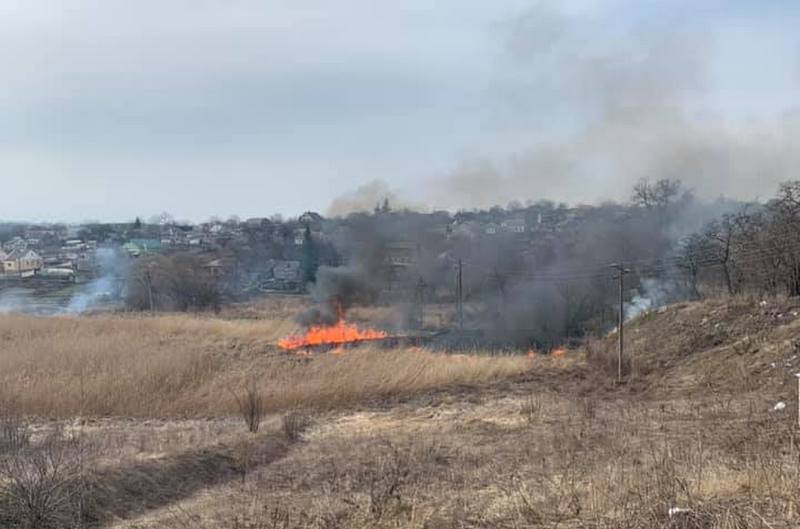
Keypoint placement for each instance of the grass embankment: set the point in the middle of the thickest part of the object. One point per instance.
(167, 366)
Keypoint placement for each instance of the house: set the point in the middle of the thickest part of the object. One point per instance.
(513, 225)
(280, 275)
(17, 243)
(137, 247)
(491, 228)
(299, 236)
(288, 271)
(22, 262)
(400, 254)
(256, 222)
(220, 267)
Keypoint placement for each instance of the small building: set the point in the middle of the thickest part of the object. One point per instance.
(17, 243)
(514, 225)
(278, 274)
(299, 236)
(256, 222)
(400, 254)
(288, 271)
(21, 262)
(220, 267)
(137, 247)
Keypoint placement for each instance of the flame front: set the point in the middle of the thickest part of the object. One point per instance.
(337, 334)
(554, 353)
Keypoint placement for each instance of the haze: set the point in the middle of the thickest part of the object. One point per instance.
(114, 109)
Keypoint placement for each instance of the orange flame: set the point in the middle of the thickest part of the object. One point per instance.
(554, 353)
(337, 334)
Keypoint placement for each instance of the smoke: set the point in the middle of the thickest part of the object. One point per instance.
(362, 239)
(586, 109)
(104, 289)
(652, 293)
(14, 300)
(336, 290)
(367, 197)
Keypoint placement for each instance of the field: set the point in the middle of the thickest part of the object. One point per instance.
(140, 421)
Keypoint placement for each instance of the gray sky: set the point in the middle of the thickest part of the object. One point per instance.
(112, 109)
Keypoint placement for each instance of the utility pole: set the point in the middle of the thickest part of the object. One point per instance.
(621, 271)
(460, 293)
(798, 399)
(421, 301)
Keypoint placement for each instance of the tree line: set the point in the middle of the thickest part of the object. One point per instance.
(755, 249)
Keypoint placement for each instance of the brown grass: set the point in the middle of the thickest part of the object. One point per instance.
(451, 463)
(557, 447)
(187, 366)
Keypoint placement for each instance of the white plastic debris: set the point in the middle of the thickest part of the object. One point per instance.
(779, 406)
(678, 510)
(763, 303)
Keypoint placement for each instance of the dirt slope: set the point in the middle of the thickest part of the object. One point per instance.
(715, 347)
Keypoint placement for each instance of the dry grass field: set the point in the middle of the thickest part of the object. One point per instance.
(138, 420)
(183, 366)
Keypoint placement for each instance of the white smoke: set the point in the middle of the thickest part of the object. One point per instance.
(102, 290)
(652, 294)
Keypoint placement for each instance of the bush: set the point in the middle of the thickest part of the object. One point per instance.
(41, 485)
(174, 282)
(294, 425)
(251, 406)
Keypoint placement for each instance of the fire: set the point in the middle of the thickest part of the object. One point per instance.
(339, 333)
(554, 353)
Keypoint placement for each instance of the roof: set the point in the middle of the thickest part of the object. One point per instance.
(22, 253)
(147, 244)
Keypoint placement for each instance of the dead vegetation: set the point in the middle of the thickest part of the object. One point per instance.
(178, 366)
(251, 406)
(375, 438)
(660, 464)
(43, 482)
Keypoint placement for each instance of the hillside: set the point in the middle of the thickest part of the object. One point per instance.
(713, 347)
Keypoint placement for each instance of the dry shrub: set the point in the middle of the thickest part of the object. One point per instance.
(251, 406)
(42, 485)
(14, 433)
(295, 425)
(531, 408)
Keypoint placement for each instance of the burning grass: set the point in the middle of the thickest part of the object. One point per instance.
(186, 366)
(337, 334)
